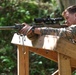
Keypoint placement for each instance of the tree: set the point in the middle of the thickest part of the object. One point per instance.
(65, 3)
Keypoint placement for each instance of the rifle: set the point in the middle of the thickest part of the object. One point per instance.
(38, 22)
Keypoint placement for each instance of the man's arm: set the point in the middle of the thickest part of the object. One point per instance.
(69, 32)
(56, 31)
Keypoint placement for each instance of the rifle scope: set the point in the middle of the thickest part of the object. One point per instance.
(48, 20)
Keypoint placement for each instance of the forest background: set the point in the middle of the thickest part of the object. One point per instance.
(20, 11)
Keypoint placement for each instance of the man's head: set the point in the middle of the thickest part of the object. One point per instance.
(70, 15)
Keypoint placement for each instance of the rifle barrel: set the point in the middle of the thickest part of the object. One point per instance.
(7, 27)
(16, 26)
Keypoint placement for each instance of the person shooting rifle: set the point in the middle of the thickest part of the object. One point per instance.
(69, 15)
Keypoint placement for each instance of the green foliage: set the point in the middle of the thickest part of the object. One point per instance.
(7, 60)
(10, 14)
(41, 66)
(14, 12)
(74, 73)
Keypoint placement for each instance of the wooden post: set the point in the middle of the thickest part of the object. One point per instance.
(64, 65)
(23, 60)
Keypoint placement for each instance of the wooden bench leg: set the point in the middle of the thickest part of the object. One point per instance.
(23, 60)
(64, 65)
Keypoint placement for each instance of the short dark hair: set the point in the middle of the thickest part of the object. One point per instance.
(71, 9)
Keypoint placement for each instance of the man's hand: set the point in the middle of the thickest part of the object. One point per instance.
(26, 29)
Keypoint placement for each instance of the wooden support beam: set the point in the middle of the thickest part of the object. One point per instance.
(26, 58)
(64, 65)
(45, 53)
(23, 60)
(49, 54)
(67, 48)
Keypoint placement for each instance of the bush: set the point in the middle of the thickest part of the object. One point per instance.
(11, 13)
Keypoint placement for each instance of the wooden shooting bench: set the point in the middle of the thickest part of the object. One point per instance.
(51, 47)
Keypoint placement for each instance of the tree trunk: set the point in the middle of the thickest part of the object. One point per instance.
(65, 3)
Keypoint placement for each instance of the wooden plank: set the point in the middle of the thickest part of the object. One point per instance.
(22, 60)
(21, 40)
(45, 42)
(67, 48)
(26, 60)
(64, 65)
(52, 55)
